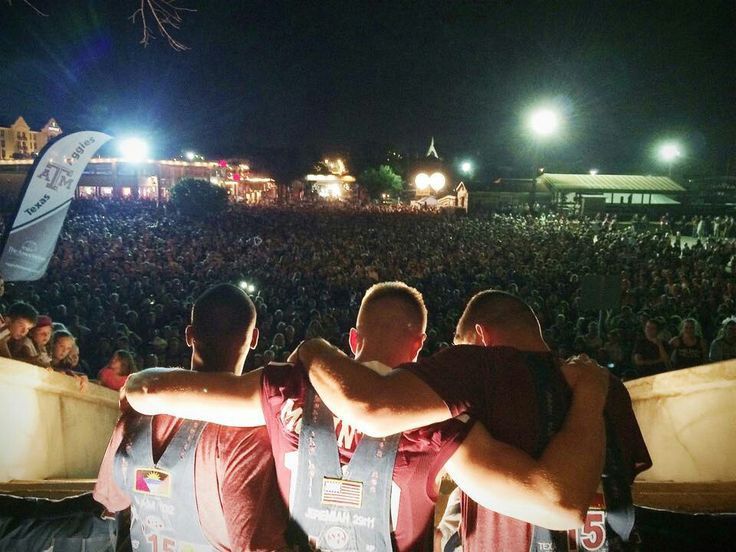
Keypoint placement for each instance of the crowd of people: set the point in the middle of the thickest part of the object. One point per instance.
(125, 273)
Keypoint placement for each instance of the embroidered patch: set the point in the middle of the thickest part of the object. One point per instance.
(341, 492)
(152, 481)
(336, 538)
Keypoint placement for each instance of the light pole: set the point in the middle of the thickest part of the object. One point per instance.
(669, 153)
(467, 168)
(135, 150)
(543, 122)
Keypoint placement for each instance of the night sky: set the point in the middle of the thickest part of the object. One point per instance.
(288, 83)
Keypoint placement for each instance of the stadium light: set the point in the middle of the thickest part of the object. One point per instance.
(437, 181)
(190, 155)
(422, 181)
(544, 122)
(466, 167)
(133, 149)
(669, 152)
(593, 172)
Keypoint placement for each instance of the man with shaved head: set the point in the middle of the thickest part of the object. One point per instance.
(348, 491)
(195, 486)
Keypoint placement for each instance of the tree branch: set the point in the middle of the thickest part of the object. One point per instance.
(30, 5)
(163, 15)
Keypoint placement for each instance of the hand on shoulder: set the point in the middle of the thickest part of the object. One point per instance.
(585, 375)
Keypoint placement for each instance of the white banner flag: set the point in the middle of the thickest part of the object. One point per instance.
(49, 188)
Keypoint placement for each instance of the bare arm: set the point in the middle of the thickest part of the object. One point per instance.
(374, 404)
(554, 491)
(221, 398)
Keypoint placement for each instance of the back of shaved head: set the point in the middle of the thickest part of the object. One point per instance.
(499, 311)
(392, 310)
(223, 312)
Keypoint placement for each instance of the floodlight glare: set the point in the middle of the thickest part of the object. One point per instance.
(243, 285)
(421, 181)
(466, 167)
(437, 181)
(669, 152)
(133, 149)
(251, 288)
(544, 122)
(593, 172)
(189, 155)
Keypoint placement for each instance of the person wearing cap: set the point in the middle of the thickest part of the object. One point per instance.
(724, 346)
(36, 348)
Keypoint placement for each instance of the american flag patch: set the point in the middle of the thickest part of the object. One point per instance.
(341, 492)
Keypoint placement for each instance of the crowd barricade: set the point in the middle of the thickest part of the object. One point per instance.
(688, 421)
(49, 428)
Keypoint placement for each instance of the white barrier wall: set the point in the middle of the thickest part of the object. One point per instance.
(688, 419)
(48, 428)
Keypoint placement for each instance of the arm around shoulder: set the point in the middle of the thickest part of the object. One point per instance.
(220, 398)
(375, 404)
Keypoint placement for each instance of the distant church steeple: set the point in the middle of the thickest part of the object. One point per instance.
(432, 151)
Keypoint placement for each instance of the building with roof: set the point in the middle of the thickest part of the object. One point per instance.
(18, 141)
(151, 179)
(582, 191)
(593, 192)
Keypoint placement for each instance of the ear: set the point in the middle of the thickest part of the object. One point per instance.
(354, 340)
(254, 338)
(189, 335)
(418, 344)
(482, 336)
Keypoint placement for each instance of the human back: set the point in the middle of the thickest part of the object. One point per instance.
(223, 493)
(521, 396)
(389, 331)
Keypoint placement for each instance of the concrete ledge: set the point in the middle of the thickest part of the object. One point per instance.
(688, 421)
(48, 428)
(688, 498)
(52, 488)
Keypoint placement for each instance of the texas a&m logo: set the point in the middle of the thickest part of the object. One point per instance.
(57, 176)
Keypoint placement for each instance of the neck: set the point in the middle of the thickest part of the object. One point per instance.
(220, 364)
(383, 355)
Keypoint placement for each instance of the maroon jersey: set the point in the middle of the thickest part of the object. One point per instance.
(497, 387)
(234, 481)
(421, 455)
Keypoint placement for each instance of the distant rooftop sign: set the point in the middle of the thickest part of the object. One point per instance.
(610, 183)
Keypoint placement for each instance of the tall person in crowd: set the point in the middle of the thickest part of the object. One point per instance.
(396, 474)
(190, 483)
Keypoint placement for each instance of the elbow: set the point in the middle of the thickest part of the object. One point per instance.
(570, 517)
(140, 399)
(566, 507)
(139, 402)
(567, 514)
